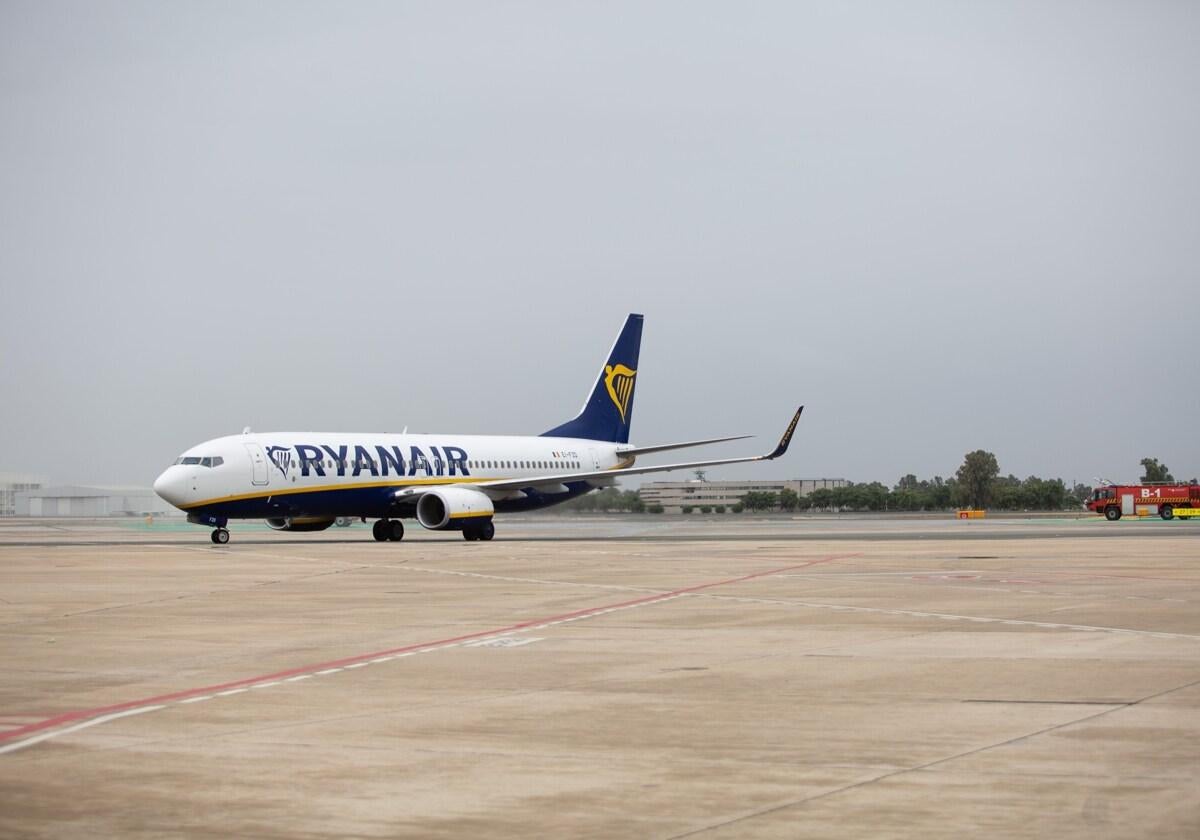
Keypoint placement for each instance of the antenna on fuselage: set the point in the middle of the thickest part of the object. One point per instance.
(246, 430)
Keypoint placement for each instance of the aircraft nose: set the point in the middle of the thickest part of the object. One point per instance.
(170, 486)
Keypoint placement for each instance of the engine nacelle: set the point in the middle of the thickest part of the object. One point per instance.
(300, 523)
(447, 508)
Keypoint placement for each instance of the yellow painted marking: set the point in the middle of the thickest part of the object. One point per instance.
(289, 491)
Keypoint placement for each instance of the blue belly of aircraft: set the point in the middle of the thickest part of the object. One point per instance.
(371, 502)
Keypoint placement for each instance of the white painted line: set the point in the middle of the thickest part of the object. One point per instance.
(301, 677)
(912, 613)
(382, 659)
(231, 691)
(37, 739)
(199, 699)
(326, 671)
(265, 685)
(358, 665)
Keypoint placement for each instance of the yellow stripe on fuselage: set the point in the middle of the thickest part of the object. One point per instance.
(290, 491)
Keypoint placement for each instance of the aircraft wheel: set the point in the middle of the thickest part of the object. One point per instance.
(381, 530)
(1167, 512)
(470, 534)
(487, 530)
(396, 530)
(220, 536)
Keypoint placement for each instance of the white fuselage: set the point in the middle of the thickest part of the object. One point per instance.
(258, 475)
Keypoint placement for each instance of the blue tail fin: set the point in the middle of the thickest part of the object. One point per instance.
(609, 408)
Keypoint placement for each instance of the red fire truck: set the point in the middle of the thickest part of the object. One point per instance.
(1117, 500)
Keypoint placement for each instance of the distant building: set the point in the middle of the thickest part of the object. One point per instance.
(13, 483)
(674, 495)
(73, 500)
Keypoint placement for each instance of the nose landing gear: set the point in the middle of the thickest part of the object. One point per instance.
(220, 536)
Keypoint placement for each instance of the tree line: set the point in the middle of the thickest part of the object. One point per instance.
(977, 484)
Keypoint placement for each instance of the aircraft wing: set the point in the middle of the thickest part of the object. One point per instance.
(646, 450)
(518, 483)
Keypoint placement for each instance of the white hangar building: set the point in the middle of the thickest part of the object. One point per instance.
(74, 500)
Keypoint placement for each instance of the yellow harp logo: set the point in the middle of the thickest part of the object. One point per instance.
(618, 379)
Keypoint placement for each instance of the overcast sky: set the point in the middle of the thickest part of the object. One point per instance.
(941, 226)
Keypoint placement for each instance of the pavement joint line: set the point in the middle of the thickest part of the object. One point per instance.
(239, 686)
(855, 785)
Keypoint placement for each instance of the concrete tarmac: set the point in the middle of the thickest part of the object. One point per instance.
(719, 678)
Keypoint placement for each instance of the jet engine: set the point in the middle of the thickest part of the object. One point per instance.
(300, 523)
(447, 508)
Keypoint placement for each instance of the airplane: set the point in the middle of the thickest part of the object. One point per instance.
(304, 481)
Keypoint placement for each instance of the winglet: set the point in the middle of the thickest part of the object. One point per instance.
(787, 436)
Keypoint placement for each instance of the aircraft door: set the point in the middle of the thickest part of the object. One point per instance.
(258, 465)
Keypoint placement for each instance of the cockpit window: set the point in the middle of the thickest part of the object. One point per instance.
(197, 461)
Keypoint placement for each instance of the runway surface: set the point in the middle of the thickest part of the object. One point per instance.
(720, 677)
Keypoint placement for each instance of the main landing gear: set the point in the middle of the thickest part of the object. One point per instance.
(220, 536)
(483, 531)
(385, 530)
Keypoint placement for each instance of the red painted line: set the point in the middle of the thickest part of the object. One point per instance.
(84, 714)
